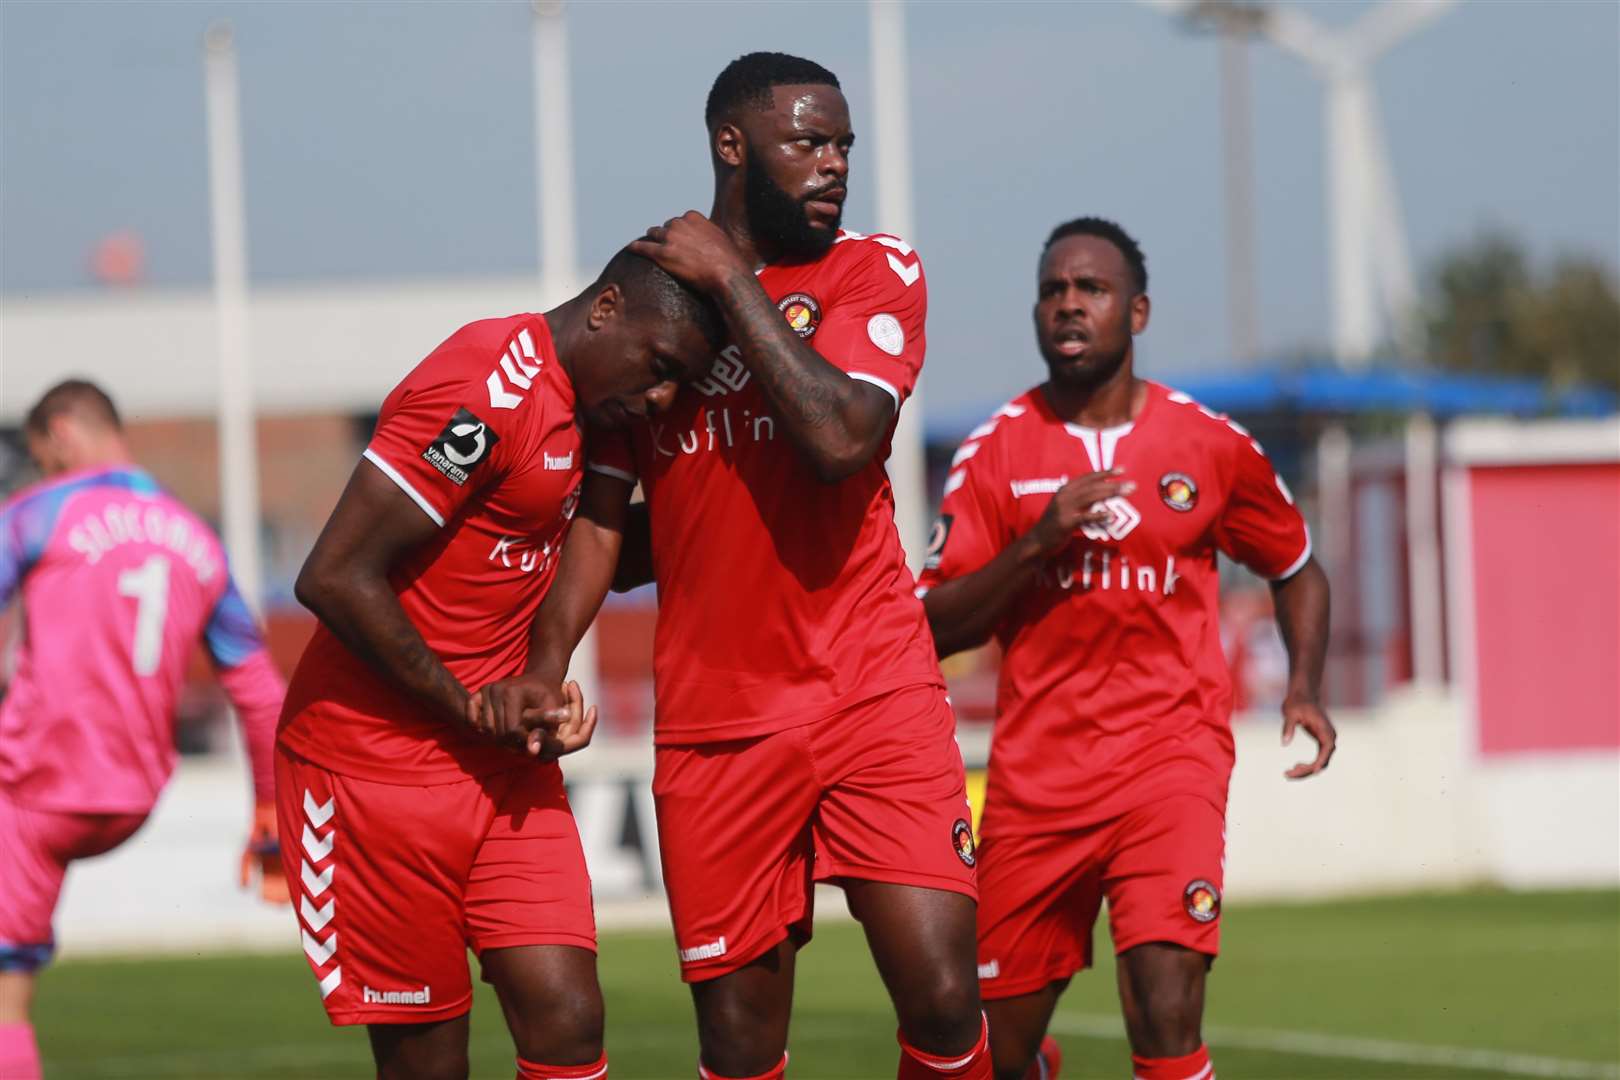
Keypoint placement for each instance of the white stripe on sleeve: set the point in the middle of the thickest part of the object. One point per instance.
(405, 486)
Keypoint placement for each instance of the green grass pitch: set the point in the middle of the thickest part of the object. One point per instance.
(1484, 984)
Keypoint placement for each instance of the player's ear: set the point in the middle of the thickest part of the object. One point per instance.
(605, 305)
(1141, 308)
(729, 145)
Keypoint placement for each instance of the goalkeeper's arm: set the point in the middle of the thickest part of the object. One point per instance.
(256, 691)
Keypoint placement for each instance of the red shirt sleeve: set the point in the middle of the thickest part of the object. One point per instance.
(975, 518)
(608, 452)
(1260, 526)
(440, 438)
(874, 328)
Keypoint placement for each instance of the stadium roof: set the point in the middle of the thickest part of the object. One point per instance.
(1325, 391)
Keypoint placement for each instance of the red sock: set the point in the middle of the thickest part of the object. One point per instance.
(776, 1072)
(19, 1053)
(1048, 1059)
(596, 1070)
(1195, 1066)
(974, 1065)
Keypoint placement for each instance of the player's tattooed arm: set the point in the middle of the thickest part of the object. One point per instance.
(963, 611)
(1302, 603)
(837, 422)
(345, 583)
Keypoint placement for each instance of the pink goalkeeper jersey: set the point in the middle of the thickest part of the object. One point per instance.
(119, 583)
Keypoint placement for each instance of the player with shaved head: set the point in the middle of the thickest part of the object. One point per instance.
(414, 829)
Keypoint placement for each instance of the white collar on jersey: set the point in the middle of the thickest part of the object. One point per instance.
(1100, 443)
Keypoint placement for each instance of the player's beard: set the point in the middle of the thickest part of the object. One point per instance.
(779, 219)
(1089, 375)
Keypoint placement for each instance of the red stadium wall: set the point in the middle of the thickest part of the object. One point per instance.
(1540, 608)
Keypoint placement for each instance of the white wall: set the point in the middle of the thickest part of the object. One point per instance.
(338, 347)
(1405, 805)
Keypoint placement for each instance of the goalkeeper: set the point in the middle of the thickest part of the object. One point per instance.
(119, 583)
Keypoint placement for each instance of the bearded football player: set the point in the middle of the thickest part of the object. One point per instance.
(802, 729)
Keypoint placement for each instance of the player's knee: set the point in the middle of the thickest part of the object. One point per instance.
(426, 1062)
(1170, 1020)
(740, 1037)
(16, 996)
(567, 1031)
(944, 1016)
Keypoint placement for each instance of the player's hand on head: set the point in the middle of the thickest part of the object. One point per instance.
(1077, 504)
(261, 858)
(1298, 713)
(693, 249)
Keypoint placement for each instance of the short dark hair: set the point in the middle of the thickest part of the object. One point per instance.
(79, 396)
(1107, 230)
(647, 285)
(749, 79)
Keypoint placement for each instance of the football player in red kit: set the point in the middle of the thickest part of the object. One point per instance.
(802, 729)
(412, 833)
(1080, 528)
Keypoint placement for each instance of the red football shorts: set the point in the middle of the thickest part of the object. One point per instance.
(746, 826)
(35, 849)
(1160, 866)
(393, 883)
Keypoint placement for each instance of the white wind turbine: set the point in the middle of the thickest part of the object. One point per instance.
(1372, 282)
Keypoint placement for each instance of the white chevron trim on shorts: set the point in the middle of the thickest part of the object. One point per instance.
(331, 981)
(314, 883)
(318, 951)
(316, 918)
(319, 814)
(317, 848)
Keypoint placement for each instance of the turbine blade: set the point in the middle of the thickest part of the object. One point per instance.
(1294, 31)
(1390, 22)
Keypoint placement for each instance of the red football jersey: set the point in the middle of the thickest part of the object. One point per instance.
(782, 599)
(481, 435)
(1113, 688)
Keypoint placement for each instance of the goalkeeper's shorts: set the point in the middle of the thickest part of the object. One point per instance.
(35, 849)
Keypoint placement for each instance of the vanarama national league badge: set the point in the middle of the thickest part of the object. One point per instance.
(802, 312)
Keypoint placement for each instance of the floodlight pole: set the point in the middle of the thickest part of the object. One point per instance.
(238, 443)
(560, 278)
(1237, 122)
(907, 464)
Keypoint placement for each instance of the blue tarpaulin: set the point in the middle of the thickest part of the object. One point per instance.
(1332, 391)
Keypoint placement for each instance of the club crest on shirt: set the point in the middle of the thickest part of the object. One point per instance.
(1178, 491)
(962, 841)
(1203, 900)
(464, 442)
(802, 312)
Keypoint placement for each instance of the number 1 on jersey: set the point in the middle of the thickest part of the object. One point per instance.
(149, 585)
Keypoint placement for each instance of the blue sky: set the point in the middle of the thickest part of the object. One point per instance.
(395, 140)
